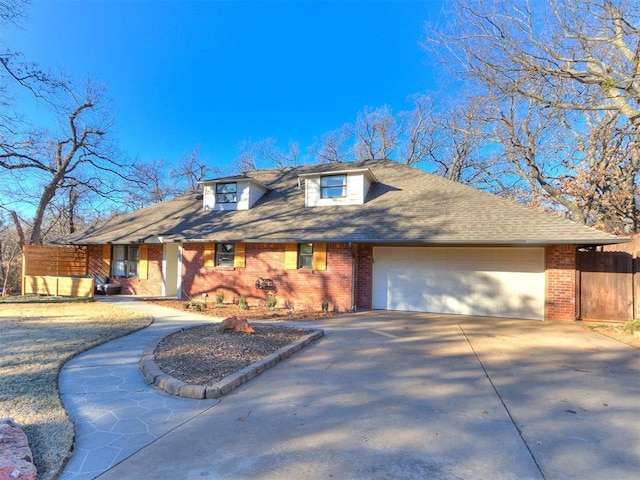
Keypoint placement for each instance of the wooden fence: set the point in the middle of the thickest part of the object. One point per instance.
(52, 270)
(57, 286)
(609, 282)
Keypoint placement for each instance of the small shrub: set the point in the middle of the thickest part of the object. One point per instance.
(325, 306)
(271, 301)
(192, 305)
(242, 303)
(630, 327)
(219, 299)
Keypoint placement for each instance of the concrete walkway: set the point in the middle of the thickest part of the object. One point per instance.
(382, 395)
(114, 410)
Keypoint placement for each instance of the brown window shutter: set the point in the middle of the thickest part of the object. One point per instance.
(290, 256)
(319, 256)
(106, 260)
(239, 255)
(143, 262)
(209, 254)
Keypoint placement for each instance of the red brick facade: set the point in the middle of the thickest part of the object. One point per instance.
(560, 291)
(306, 288)
(98, 262)
(364, 277)
(299, 289)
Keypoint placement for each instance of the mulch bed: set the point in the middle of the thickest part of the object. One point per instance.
(203, 355)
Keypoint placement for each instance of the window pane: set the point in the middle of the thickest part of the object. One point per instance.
(119, 252)
(117, 269)
(226, 192)
(133, 268)
(305, 255)
(226, 188)
(333, 186)
(224, 254)
(333, 181)
(118, 266)
(133, 256)
(125, 261)
(333, 192)
(306, 261)
(134, 253)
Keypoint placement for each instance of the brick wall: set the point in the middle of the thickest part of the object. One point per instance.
(94, 260)
(299, 289)
(364, 277)
(560, 283)
(151, 286)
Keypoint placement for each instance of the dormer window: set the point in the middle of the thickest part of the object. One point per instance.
(226, 192)
(333, 186)
(232, 193)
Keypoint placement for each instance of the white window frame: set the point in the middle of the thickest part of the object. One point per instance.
(225, 256)
(327, 188)
(226, 197)
(305, 260)
(125, 261)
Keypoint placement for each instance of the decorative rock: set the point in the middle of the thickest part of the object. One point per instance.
(16, 460)
(239, 325)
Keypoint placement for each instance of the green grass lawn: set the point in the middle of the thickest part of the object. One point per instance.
(36, 340)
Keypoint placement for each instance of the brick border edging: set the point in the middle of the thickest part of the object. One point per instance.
(171, 385)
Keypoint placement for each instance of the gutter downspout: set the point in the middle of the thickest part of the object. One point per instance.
(353, 278)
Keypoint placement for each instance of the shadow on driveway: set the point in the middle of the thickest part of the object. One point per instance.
(418, 396)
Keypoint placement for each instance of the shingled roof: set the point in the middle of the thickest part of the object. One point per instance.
(407, 206)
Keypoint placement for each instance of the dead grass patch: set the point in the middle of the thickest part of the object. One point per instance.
(37, 339)
(628, 332)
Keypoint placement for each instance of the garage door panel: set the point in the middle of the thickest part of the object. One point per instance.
(470, 281)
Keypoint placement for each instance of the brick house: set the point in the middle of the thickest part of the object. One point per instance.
(365, 235)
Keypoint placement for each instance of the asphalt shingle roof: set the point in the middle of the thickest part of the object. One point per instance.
(407, 206)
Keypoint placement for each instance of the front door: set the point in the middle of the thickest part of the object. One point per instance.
(170, 269)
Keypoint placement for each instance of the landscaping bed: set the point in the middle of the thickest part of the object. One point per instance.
(252, 313)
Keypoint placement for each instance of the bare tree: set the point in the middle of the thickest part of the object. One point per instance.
(418, 131)
(554, 71)
(9, 257)
(78, 153)
(265, 153)
(331, 147)
(190, 170)
(274, 156)
(12, 11)
(375, 132)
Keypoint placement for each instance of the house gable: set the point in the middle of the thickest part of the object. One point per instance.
(342, 187)
(233, 193)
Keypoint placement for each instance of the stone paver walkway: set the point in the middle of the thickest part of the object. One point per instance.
(115, 411)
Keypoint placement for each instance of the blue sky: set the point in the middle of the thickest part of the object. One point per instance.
(209, 74)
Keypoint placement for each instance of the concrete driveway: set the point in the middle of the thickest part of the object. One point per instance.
(388, 395)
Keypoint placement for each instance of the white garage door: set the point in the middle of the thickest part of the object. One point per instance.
(500, 282)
